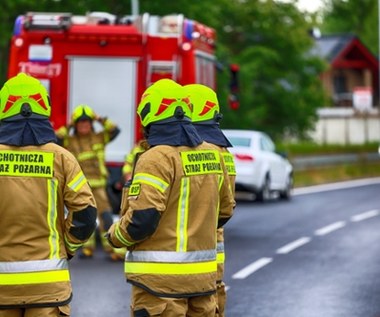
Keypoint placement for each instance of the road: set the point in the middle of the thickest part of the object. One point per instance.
(315, 255)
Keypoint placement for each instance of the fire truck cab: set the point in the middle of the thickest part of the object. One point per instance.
(107, 62)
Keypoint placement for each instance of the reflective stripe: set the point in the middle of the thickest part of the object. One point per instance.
(171, 256)
(33, 266)
(72, 246)
(220, 247)
(98, 146)
(170, 268)
(34, 272)
(86, 156)
(120, 236)
(182, 215)
(52, 185)
(151, 180)
(94, 183)
(34, 278)
(220, 258)
(77, 182)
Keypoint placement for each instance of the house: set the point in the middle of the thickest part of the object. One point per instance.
(352, 83)
(351, 66)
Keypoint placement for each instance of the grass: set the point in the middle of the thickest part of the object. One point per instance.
(335, 173)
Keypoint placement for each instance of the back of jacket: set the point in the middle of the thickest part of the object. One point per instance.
(186, 186)
(37, 237)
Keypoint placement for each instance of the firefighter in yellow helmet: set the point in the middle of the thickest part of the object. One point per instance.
(206, 118)
(39, 180)
(88, 147)
(170, 223)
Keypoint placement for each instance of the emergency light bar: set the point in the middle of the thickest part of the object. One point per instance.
(41, 20)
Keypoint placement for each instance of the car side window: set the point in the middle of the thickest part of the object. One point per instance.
(266, 144)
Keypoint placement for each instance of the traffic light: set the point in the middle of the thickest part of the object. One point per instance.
(233, 98)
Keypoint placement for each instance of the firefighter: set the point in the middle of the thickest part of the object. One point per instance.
(139, 147)
(39, 180)
(170, 225)
(88, 147)
(206, 118)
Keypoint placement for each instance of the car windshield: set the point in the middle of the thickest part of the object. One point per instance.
(240, 141)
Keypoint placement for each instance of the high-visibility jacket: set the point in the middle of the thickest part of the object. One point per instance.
(90, 151)
(177, 199)
(231, 175)
(47, 211)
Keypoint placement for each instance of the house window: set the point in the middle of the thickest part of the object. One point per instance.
(340, 85)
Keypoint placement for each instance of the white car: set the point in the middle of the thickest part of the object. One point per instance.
(259, 168)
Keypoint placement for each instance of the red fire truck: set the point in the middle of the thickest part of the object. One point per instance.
(107, 62)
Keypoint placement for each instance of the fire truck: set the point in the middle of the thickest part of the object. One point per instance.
(107, 62)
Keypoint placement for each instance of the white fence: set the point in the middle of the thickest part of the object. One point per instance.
(346, 126)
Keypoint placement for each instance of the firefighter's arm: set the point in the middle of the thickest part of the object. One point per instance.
(110, 128)
(62, 133)
(147, 198)
(226, 198)
(80, 222)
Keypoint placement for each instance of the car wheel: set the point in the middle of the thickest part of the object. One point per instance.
(287, 192)
(264, 193)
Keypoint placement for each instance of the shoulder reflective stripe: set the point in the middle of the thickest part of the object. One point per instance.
(171, 256)
(72, 246)
(26, 163)
(220, 247)
(52, 218)
(182, 215)
(34, 277)
(170, 268)
(229, 163)
(33, 266)
(120, 236)
(77, 182)
(220, 258)
(151, 180)
(201, 162)
(86, 156)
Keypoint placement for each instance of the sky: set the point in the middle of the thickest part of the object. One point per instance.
(308, 5)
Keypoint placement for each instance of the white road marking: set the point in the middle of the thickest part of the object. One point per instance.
(253, 267)
(335, 186)
(330, 228)
(293, 245)
(365, 215)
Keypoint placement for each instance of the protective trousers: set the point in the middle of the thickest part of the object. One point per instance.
(220, 299)
(144, 304)
(36, 312)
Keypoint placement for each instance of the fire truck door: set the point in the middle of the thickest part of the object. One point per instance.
(107, 85)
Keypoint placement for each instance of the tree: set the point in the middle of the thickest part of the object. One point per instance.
(352, 16)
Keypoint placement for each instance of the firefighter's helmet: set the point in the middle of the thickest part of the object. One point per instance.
(83, 112)
(23, 97)
(164, 101)
(205, 104)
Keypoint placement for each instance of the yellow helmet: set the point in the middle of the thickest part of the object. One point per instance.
(205, 103)
(83, 112)
(24, 96)
(165, 100)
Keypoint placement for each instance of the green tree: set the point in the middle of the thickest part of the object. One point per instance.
(352, 16)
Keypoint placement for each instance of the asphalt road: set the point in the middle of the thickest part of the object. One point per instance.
(317, 255)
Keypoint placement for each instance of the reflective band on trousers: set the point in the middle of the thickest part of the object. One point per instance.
(155, 262)
(220, 252)
(34, 272)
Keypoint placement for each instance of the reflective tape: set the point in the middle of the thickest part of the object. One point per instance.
(83, 156)
(120, 236)
(33, 266)
(171, 256)
(52, 218)
(151, 180)
(78, 181)
(169, 268)
(182, 215)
